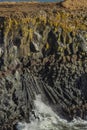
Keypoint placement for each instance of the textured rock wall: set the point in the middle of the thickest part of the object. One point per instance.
(37, 33)
(43, 55)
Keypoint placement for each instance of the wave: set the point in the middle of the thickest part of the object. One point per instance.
(44, 118)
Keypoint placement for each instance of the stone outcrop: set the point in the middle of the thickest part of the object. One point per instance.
(43, 50)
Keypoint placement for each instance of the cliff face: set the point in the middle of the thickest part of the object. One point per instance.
(58, 30)
(43, 49)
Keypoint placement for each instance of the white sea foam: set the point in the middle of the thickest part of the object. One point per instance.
(48, 120)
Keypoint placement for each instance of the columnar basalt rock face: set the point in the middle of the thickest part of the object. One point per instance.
(42, 51)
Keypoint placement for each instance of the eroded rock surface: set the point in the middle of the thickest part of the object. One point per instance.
(43, 50)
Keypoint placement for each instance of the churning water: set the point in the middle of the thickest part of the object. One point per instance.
(48, 120)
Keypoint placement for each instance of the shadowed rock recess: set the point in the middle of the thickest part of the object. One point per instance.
(43, 50)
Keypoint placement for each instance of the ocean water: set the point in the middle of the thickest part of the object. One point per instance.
(32, 0)
(48, 120)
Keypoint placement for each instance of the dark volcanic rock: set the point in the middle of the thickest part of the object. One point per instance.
(42, 55)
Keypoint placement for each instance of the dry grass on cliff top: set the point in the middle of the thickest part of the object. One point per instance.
(75, 4)
(20, 8)
(28, 8)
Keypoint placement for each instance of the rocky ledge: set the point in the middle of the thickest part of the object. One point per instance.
(43, 50)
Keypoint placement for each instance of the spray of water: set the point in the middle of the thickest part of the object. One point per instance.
(48, 120)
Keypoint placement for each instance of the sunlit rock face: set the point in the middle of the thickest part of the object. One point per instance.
(42, 51)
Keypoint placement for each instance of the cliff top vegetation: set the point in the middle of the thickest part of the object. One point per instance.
(22, 9)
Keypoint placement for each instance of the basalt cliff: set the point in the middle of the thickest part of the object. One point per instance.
(43, 50)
